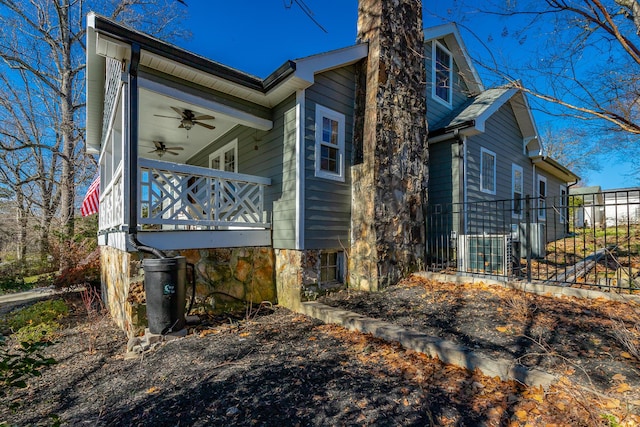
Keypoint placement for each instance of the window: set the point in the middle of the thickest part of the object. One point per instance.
(564, 204)
(226, 158)
(487, 171)
(331, 270)
(442, 74)
(517, 185)
(542, 197)
(330, 129)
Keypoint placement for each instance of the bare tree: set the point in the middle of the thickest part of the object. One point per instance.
(586, 57)
(42, 51)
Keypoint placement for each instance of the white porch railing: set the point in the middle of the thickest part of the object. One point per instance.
(112, 203)
(181, 197)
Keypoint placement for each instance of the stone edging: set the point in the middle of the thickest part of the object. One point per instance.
(446, 351)
(537, 288)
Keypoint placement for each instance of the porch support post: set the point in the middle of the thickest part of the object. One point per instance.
(390, 146)
(132, 140)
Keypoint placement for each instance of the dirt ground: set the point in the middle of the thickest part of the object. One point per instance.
(278, 368)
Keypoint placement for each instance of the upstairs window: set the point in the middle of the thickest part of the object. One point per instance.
(330, 155)
(487, 171)
(442, 74)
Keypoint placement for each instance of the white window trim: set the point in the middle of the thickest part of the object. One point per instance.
(322, 112)
(448, 102)
(564, 204)
(542, 213)
(514, 168)
(495, 162)
(233, 144)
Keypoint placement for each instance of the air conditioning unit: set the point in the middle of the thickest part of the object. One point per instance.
(488, 254)
(538, 239)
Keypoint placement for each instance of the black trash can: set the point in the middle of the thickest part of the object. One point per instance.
(164, 286)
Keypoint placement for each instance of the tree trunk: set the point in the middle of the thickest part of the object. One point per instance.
(390, 145)
(67, 179)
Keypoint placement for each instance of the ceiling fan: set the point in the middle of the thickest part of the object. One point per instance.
(161, 149)
(188, 118)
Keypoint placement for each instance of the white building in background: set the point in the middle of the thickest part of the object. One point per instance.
(622, 206)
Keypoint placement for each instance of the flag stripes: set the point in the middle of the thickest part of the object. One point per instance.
(91, 199)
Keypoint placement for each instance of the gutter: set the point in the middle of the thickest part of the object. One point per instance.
(449, 132)
(155, 46)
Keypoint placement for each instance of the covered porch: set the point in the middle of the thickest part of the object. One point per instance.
(180, 165)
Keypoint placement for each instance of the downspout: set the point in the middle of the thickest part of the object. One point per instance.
(132, 237)
(464, 187)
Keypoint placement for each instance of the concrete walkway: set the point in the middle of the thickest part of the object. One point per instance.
(27, 295)
(446, 351)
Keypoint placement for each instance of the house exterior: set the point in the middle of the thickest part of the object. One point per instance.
(276, 188)
(622, 206)
(246, 177)
(589, 206)
(485, 160)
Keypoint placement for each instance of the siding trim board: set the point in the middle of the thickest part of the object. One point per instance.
(300, 167)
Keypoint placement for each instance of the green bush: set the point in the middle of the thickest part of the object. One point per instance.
(40, 312)
(16, 368)
(11, 284)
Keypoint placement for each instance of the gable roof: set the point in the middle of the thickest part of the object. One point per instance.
(471, 119)
(451, 35)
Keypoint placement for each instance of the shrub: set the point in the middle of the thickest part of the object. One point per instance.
(84, 273)
(16, 368)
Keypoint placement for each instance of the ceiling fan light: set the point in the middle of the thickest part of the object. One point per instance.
(187, 124)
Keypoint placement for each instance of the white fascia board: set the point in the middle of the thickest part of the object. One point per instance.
(493, 108)
(95, 75)
(300, 168)
(242, 117)
(177, 240)
(307, 68)
(525, 118)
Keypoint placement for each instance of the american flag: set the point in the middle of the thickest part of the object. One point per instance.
(92, 198)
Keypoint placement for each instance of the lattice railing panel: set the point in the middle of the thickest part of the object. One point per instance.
(112, 204)
(182, 195)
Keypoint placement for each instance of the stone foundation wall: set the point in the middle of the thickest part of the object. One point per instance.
(298, 276)
(225, 279)
(122, 287)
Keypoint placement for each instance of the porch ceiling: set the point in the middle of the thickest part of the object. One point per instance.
(167, 130)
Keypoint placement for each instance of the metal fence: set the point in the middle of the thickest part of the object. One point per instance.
(586, 240)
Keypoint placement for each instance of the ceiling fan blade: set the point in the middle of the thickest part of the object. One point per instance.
(171, 152)
(204, 117)
(153, 151)
(179, 111)
(174, 148)
(159, 145)
(167, 117)
(205, 125)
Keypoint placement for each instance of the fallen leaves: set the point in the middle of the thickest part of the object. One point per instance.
(623, 387)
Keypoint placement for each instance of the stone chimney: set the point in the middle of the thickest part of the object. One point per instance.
(389, 171)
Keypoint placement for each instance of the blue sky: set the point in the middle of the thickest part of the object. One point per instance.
(257, 36)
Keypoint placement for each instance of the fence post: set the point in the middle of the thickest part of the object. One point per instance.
(527, 234)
